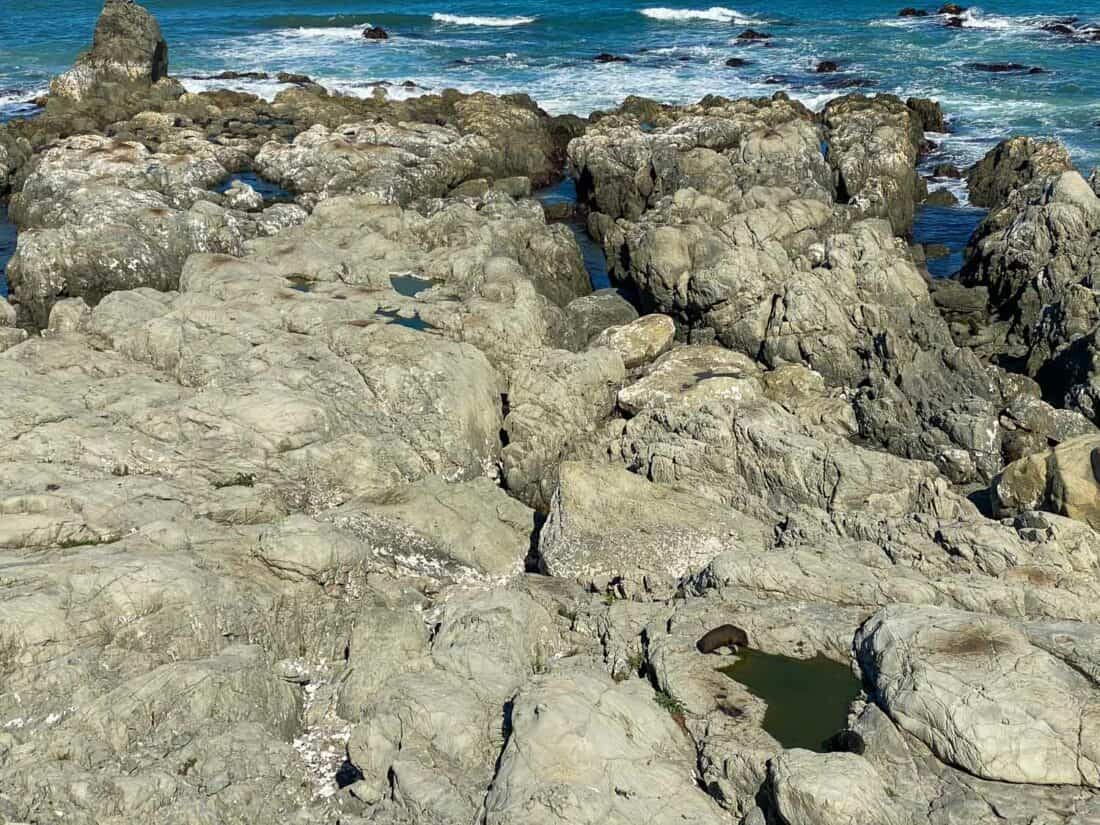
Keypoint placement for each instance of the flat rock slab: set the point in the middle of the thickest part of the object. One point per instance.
(981, 696)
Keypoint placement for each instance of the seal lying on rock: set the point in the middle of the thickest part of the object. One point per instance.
(726, 635)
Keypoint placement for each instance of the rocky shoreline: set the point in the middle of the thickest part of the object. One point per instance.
(349, 500)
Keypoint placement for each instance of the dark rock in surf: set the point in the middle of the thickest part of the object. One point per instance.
(1002, 68)
(928, 112)
(947, 170)
(909, 11)
(953, 23)
(296, 79)
(952, 9)
(752, 35)
(827, 66)
(737, 62)
(375, 33)
(606, 57)
(941, 197)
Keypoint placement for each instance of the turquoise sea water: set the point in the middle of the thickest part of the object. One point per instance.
(678, 51)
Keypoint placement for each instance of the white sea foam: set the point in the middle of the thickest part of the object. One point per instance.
(716, 14)
(460, 20)
(326, 33)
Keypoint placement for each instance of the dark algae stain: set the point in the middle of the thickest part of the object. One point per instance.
(807, 699)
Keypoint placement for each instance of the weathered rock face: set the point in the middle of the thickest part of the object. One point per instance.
(982, 696)
(770, 266)
(584, 748)
(98, 215)
(1014, 164)
(1064, 480)
(264, 528)
(607, 524)
(1036, 256)
(873, 145)
(128, 49)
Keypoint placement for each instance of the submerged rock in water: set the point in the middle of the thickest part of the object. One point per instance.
(375, 33)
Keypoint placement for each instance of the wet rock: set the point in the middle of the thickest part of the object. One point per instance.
(375, 33)
(941, 197)
(753, 35)
(1001, 68)
(952, 9)
(947, 170)
(909, 11)
(737, 62)
(826, 66)
(605, 57)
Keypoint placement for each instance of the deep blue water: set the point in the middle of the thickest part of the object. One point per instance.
(595, 263)
(678, 50)
(7, 247)
(950, 226)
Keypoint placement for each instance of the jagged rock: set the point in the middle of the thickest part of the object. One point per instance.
(128, 49)
(1064, 480)
(929, 112)
(873, 148)
(555, 403)
(1012, 165)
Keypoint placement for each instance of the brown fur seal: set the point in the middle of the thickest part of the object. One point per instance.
(727, 635)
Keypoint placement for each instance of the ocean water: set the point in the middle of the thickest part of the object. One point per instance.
(677, 51)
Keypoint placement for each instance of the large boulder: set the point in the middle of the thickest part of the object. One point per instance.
(1063, 480)
(607, 524)
(1013, 164)
(977, 692)
(128, 50)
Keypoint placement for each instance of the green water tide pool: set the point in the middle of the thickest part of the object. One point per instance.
(807, 699)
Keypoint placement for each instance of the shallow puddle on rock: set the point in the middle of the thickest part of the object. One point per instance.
(807, 699)
(415, 322)
(7, 247)
(270, 192)
(951, 226)
(595, 263)
(301, 284)
(409, 285)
